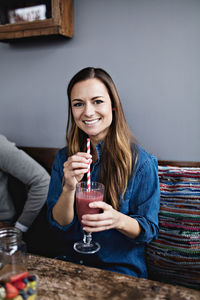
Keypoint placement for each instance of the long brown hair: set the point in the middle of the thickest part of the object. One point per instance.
(118, 159)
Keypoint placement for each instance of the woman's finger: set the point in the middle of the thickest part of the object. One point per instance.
(97, 217)
(96, 229)
(100, 204)
(107, 222)
(76, 165)
(84, 157)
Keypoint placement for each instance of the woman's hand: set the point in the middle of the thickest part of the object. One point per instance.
(109, 218)
(75, 168)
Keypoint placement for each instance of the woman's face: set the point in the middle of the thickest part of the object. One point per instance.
(92, 108)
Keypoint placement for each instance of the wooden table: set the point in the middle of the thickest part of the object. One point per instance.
(65, 280)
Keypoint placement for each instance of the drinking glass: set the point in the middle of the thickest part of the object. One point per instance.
(83, 197)
(12, 253)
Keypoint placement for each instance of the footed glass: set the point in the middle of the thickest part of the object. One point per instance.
(83, 197)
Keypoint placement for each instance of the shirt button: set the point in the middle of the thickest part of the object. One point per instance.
(81, 262)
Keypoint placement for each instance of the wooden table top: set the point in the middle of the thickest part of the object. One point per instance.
(64, 280)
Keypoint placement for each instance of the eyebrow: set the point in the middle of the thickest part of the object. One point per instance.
(93, 98)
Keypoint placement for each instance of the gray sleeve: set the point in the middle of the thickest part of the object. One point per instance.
(20, 165)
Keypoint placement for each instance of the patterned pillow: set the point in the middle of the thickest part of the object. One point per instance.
(175, 256)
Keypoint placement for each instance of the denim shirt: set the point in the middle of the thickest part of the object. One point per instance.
(141, 201)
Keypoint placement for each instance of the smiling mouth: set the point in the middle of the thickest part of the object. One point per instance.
(91, 122)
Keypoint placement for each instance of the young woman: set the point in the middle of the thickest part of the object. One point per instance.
(129, 217)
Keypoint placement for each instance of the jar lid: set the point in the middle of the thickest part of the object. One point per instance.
(10, 234)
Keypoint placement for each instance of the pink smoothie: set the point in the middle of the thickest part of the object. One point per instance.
(82, 202)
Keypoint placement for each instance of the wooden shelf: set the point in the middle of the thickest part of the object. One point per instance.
(58, 22)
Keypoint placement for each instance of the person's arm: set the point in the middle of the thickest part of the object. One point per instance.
(74, 169)
(145, 209)
(20, 165)
(63, 211)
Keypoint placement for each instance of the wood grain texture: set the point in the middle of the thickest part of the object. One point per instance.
(65, 280)
(61, 23)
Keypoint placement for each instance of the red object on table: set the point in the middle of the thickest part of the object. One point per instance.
(11, 291)
(18, 277)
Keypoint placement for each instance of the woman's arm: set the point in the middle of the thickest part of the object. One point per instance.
(63, 211)
(74, 169)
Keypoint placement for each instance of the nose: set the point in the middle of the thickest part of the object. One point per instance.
(89, 110)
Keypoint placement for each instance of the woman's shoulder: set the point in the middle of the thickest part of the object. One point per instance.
(142, 157)
(62, 154)
(61, 157)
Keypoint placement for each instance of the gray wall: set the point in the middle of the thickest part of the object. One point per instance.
(151, 48)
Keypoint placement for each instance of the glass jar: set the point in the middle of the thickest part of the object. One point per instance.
(12, 253)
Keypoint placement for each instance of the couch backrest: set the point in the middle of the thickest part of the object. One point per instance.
(45, 156)
(175, 256)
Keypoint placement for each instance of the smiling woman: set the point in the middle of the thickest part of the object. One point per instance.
(129, 212)
(92, 108)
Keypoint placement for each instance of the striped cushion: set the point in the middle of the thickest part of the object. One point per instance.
(175, 256)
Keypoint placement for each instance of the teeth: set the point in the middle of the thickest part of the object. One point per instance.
(91, 122)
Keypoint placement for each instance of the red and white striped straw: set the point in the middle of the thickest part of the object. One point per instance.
(88, 171)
